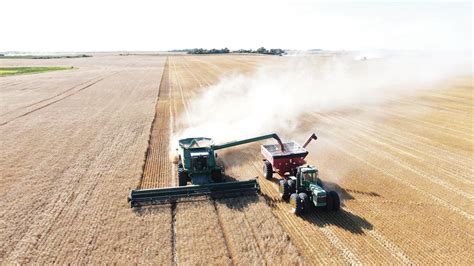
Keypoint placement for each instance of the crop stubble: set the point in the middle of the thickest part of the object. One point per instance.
(72, 147)
(66, 166)
(204, 231)
(406, 181)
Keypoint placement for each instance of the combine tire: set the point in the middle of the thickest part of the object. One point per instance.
(305, 201)
(333, 201)
(216, 175)
(183, 177)
(284, 190)
(268, 170)
(295, 204)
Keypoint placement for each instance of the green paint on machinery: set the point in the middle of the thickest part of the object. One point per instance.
(198, 165)
(305, 190)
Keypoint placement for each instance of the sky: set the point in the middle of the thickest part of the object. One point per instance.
(153, 25)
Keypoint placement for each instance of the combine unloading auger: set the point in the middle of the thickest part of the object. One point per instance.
(198, 165)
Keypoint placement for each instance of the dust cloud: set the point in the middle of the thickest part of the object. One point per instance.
(282, 89)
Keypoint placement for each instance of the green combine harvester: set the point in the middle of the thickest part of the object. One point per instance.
(198, 165)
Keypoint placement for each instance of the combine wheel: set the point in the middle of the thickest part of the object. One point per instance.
(295, 204)
(305, 201)
(216, 175)
(183, 177)
(333, 201)
(268, 170)
(284, 190)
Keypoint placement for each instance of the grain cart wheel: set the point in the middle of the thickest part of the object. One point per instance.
(305, 201)
(183, 177)
(284, 190)
(295, 204)
(333, 201)
(268, 170)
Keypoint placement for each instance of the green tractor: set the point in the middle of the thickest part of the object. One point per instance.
(305, 191)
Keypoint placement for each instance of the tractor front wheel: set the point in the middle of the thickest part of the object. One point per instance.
(333, 201)
(305, 201)
(295, 204)
(268, 170)
(284, 190)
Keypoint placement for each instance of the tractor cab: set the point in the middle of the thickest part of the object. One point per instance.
(308, 175)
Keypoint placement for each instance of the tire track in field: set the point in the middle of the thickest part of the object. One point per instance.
(256, 240)
(157, 170)
(396, 160)
(49, 98)
(335, 241)
(345, 253)
(418, 189)
(220, 222)
(440, 156)
(55, 101)
(181, 93)
(184, 104)
(381, 240)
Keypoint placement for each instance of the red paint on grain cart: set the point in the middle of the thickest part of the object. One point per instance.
(289, 159)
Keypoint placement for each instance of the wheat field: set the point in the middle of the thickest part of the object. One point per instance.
(74, 142)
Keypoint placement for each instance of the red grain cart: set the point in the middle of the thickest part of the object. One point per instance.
(286, 160)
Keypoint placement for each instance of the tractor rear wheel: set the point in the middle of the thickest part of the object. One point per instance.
(292, 185)
(295, 204)
(284, 190)
(183, 177)
(268, 170)
(305, 201)
(333, 201)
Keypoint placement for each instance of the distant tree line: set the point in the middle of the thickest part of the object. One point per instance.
(260, 50)
(211, 51)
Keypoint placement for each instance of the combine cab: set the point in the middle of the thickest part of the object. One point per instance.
(199, 174)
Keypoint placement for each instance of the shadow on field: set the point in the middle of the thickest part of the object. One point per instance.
(239, 203)
(320, 217)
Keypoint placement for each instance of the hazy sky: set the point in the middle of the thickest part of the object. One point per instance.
(105, 25)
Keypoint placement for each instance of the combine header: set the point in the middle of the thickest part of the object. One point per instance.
(198, 165)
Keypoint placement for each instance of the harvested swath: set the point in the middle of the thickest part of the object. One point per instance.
(255, 236)
(153, 243)
(392, 171)
(199, 238)
(73, 148)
